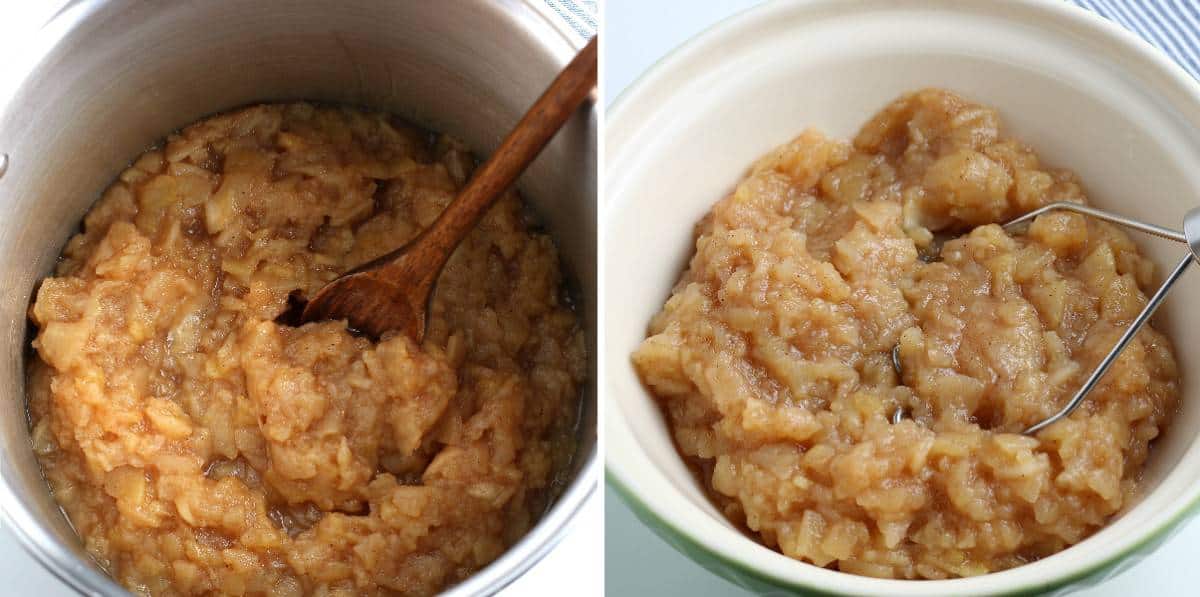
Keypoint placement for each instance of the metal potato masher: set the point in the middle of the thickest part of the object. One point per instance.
(1190, 236)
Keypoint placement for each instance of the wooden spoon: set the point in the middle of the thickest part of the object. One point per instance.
(392, 292)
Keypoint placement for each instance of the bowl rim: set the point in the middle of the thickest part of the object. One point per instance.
(739, 565)
(519, 558)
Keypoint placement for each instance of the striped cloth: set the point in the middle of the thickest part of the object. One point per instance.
(579, 14)
(1173, 26)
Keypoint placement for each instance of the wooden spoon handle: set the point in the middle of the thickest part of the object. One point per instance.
(519, 148)
(392, 292)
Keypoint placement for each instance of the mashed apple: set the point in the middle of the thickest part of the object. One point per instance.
(199, 447)
(772, 357)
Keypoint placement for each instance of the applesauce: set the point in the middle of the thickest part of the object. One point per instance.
(199, 447)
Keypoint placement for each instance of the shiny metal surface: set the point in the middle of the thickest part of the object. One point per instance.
(113, 76)
(1191, 230)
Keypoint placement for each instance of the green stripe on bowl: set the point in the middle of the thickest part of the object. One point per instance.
(760, 583)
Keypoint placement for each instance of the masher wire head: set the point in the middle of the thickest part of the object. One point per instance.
(1190, 236)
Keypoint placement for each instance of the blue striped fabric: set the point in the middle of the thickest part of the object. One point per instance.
(579, 14)
(1173, 26)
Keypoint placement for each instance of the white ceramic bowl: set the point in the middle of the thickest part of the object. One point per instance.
(1084, 93)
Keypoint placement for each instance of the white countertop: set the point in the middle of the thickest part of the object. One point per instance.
(577, 561)
(636, 34)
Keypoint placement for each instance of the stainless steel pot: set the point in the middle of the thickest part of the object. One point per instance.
(110, 77)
